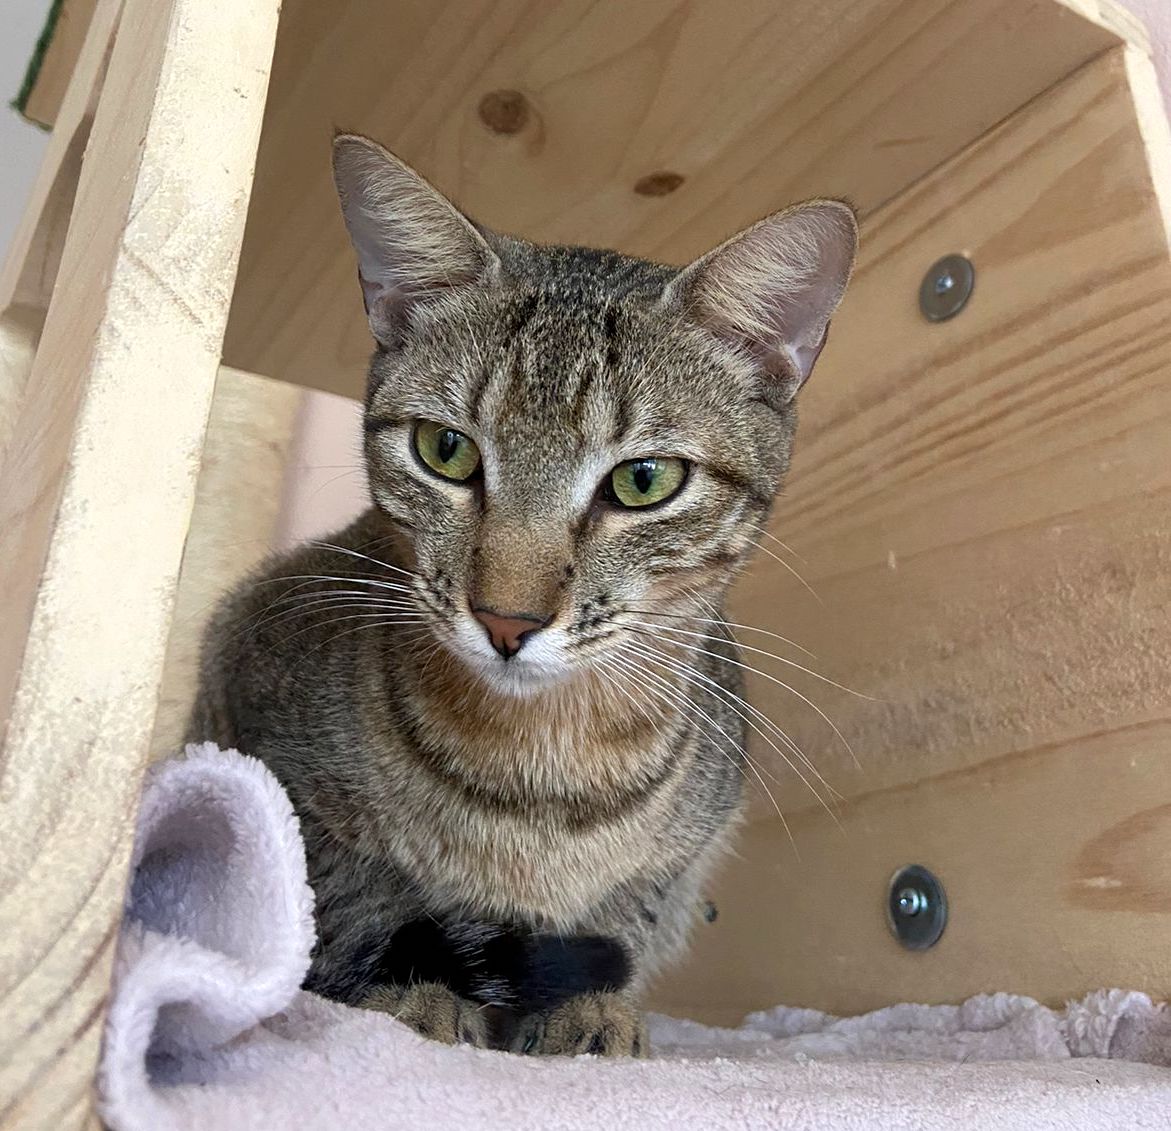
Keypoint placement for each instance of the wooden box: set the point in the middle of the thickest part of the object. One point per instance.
(980, 504)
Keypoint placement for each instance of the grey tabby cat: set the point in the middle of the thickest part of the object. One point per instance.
(500, 700)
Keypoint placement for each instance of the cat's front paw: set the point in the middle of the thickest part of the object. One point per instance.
(603, 1024)
(432, 1010)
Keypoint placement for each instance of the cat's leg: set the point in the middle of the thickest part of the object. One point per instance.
(434, 1011)
(649, 920)
(378, 950)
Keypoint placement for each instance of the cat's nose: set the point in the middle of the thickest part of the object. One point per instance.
(508, 631)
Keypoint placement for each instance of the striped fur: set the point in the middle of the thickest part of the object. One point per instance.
(580, 790)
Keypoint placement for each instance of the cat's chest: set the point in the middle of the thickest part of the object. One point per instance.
(539, 871)
(525, 814)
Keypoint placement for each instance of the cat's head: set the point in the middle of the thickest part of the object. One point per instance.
(575, 445)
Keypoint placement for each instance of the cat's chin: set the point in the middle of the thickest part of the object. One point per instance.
(517, 678)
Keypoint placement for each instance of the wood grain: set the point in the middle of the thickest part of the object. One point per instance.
(95, 495)
(234, 525)
(20, 330)
(981, 506)
(34, 255)
(1053, 890)
(745, 106)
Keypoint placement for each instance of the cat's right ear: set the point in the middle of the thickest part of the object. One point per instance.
(413, 244)
(770, 291)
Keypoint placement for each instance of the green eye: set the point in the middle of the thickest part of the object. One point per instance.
(644, 482)
(445, 451)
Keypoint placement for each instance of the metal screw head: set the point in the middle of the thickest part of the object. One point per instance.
(909, 901)
(946, 288)
(916, 907)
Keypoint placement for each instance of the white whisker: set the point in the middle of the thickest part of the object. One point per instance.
(385, 620)
(680, 701)
(610, 665)
(323, 605)
(383, 623)
(366, 557)
(757, 651)
(722, 621)
(347, 579)
(785, 565)
(735, 702)
(770, 535)
(780, 683)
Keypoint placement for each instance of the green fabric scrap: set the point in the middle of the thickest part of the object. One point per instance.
(38, 57)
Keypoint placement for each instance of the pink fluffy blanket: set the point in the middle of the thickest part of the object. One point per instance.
(208, 1027)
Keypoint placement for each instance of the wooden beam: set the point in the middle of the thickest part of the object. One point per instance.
(657, 128)
(95, 494)
(981, 505)
(59, 62)
(34, 255)
(30, 268)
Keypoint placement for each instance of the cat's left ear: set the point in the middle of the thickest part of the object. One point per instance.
(770, 291)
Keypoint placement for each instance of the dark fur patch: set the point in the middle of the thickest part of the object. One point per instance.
(504, 965)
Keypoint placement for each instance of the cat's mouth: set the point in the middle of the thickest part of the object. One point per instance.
(540, 664)
(520, 680)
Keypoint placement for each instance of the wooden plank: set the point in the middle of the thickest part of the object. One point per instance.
(326, 485)
(30, 269)
(235, 524)
(982, 507)
(1056, 874)
(751, 104)
(45, 100)
(95, 495)
(1117, 16)
(20, 329)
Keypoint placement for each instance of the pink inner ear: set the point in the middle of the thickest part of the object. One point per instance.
(771, 290)
(410, 240)
(388, 310)
(383, 310)
(791, 363)
(369, 292)
(807, 355)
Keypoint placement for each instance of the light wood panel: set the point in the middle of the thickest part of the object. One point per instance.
(1054, 890)
(45, 100)
(983, 507)
(34, 255)
(749, 105)
(20, 330)
(234, 525)
(95, 496)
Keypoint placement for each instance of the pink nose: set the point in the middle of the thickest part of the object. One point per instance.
(508, 631)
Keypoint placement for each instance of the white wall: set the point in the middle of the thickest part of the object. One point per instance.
(21, 145)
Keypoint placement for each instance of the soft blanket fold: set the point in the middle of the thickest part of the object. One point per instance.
(207, 1027)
